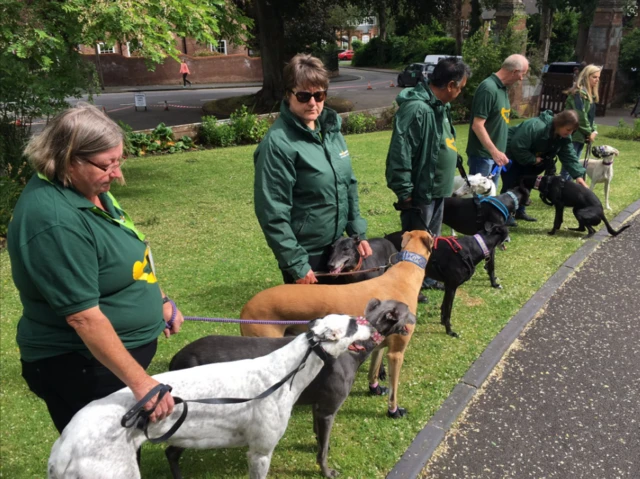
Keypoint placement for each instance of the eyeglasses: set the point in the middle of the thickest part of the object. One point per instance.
(110, 168)
(305, 96)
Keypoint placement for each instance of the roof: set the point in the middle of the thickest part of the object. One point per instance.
(530, 8)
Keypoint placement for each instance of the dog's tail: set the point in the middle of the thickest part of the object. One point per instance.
(610, 229)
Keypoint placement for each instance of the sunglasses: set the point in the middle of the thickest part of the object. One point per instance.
(305, 96)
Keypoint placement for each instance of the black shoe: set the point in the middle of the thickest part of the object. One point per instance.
(398, 413)
(378, 391)
(524, 216)
(422, 299)
(528, 202)
(511, 222)
(434, 285)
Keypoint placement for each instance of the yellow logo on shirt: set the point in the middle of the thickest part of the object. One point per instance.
(139, 267)
(451, 143)
(506, 113)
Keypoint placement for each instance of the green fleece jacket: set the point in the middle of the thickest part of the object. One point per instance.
(586, 115)
(535, 137)
(305, 192)
(415, 143)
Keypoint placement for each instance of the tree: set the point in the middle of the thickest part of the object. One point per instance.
(39, 58)
(345, 19)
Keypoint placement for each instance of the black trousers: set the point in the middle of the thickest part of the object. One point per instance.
(318, 264)
(70, 381)
(184, 79)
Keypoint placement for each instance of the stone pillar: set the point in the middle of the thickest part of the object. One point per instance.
(506, 10)
(605, 33)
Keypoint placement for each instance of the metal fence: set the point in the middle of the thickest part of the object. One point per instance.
(553, 84)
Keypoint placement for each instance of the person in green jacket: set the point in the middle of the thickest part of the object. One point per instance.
(92, 306)
(582, 98)
(422, 156)
(533, 146)
(305, 192)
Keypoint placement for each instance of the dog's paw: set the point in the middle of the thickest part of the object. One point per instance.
(398, 413)
(378, 390)
(551, 233)
(330, 473)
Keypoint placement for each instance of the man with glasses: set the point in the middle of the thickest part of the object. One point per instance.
(422, 156)
(490, 116)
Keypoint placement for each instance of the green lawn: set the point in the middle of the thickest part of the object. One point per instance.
(197, 210)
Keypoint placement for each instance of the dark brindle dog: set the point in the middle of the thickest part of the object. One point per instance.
(587, 208)
(327, 391)
(469, 216)
(345, 258)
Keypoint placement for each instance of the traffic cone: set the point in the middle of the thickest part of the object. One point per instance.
(391, 85)
(369, 86)
(166, 106)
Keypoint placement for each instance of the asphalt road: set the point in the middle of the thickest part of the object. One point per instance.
(184, 105)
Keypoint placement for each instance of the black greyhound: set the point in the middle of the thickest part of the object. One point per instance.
(345, 258)
(455, 262)
(560, 193)
(327, 391)
(469, 216)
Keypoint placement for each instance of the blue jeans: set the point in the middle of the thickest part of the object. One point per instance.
(578, 147)
(482, 165)
(421, 215)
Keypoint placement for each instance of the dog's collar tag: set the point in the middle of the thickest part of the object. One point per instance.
(414, 258)
(514, 198)
(482, 244)
(537, 184)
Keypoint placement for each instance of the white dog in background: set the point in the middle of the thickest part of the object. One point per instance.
(94, 445)
(480, 185)
(601, 171)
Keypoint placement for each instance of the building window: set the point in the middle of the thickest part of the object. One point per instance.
(353, 38)
(102, 48)
(221, 47)
(365, 38)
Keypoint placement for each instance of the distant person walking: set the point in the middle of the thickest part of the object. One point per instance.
(184, 69)
(582, 98)
(490, 115)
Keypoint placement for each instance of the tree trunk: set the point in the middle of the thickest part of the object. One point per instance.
(457, 18)
(272, 48)
(475, 21)
(546, 23)
(99, 68)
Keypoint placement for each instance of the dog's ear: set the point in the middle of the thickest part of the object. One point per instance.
(615, 152)
(406, 237)
(372, 305)
(427, 239)
(356, 238)
(488, 226)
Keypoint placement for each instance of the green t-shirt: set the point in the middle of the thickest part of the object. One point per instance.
(66, 258)
(491, 102)
(446, 165)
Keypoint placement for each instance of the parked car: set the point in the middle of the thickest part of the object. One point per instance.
(563, 67)
(414, 73)
(345, 55)
(436, 58)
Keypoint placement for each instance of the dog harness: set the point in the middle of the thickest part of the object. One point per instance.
(482, 244)
(456, 248)
(496, 203)
(414, 258)
(139, 417)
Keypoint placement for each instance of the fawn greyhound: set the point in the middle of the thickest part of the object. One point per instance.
(402, 282)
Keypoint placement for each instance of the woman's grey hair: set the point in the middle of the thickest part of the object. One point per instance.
(515, 62)
(76, 134)
(447, 70)
(305, 71)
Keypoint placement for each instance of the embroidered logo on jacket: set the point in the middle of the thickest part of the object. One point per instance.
(344, 154)
(139, 267)
(506, 114)
(451, 143)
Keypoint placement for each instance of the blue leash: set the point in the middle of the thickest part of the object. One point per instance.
(498, 169)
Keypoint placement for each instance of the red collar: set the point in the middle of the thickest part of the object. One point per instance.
(376, 337)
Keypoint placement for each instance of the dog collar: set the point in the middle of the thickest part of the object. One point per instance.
(514, 198)
(414, 258)
(608, 163)
(376, 337)
(537, 184)
(482, 244)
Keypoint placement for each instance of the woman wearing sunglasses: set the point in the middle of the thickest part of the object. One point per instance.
(92, 307)
(305, 192)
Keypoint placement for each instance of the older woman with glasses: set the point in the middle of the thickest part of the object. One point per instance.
(305, 192)
(92, 306)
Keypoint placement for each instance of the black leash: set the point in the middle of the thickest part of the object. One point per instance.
(463, 173)
(585, 162)
(139, 417)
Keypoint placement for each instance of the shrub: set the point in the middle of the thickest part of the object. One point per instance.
(359, 123)
(356, 45)
(213, 133)
(160, 140)
(328, 53)
(402, 50)
(247, 127)
(626, 132)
